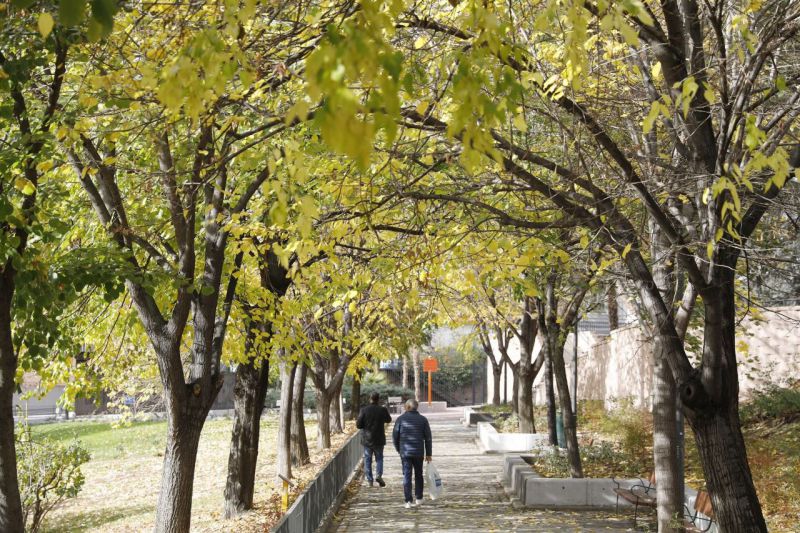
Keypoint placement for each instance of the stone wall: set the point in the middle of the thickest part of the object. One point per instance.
(619, 366)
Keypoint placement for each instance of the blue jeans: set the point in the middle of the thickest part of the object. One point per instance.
(378, 451)
(414, 463)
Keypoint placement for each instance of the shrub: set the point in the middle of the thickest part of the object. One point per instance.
(495, 410)
(772, 403)
(48, 472)
(384, 389)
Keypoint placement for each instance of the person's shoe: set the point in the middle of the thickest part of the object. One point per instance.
(408, 505)
(370, 483)
(418, 502)
(381, 482)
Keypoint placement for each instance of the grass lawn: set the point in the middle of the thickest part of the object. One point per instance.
(123, 475)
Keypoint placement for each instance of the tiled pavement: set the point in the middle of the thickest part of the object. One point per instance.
(473, 500)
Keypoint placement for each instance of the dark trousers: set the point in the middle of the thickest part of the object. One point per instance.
(368, 452)
(414, 463)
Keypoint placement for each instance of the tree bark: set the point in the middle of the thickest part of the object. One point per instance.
(300, 455)
(497, 375)
(174, 510)
(665, 441)
(550, 397)
(556, 342)
(249, 394)
(525, 401)
(669, 488)
(711, 405)
(515, 389)
(415, 364)
(284, 445)
(404, 380)
(612, 306)
(323, 420)
(355, 397)
(336, 411)
(10, 505)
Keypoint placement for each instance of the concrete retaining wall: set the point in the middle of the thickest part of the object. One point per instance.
(492, 441)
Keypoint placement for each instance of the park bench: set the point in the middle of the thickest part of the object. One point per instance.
(642, 493)
(702, 505)
(394, 402)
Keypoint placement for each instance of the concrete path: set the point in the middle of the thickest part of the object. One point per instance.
(473, 500)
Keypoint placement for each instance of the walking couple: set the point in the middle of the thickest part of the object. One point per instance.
(411, 438)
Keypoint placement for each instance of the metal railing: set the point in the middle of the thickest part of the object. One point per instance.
(310, 508)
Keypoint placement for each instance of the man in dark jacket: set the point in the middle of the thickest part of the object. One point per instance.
(370, 422)
(412, 440)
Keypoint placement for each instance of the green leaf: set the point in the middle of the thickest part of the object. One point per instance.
(71, 12)
(45, 24)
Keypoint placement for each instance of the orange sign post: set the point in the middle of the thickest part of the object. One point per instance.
(430, 365)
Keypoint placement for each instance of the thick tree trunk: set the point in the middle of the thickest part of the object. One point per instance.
(556, 342)
(300, 455)
(415, 364)
(711, 405)
(323, 420)
(355, 397)
(550, 397)
(174, 510)
(665, 442)
(497, 375)
(525, 401)
(10, 507)
(404, 381)
(249, 393)
(727, 472)
(284, 445)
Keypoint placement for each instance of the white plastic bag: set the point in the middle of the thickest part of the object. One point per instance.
(434, 481)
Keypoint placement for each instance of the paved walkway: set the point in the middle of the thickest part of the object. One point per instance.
(473, 500)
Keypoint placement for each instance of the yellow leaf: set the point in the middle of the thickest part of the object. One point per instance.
(626, 250)
(45, 24)
(710, 249)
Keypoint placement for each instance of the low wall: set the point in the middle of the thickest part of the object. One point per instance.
(312, 506)
(493, 441)
(528, 488)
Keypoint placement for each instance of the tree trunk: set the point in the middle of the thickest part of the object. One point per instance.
(174, 510)
(284, 445)
(711, 405)
(355, 397)
(669, 486)
(336, 411)
(299, 446)
(525, 400)
(515, 389)
(556, 342)
(550, 396)
(249, 394)
(722, 452)
(10, 506)
(323, 420)
(665, 441)
(613, 307)
(404, 381)
(415, 363)
(497, 374)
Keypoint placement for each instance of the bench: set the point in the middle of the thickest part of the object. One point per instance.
(642, 493)
(702, 506)
(393, 402)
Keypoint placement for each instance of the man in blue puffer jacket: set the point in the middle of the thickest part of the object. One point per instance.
(413, 441)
